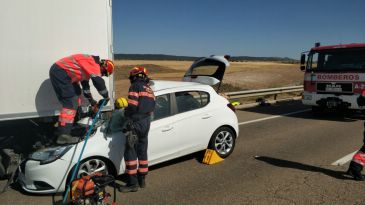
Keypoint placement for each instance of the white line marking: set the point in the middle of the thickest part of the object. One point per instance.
(344, 159)
(272, 117)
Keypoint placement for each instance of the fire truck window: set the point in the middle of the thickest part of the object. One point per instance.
(314, 61)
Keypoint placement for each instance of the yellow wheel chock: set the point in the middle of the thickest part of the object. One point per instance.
(211, 157)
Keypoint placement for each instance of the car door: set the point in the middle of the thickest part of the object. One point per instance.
(195, 120)
(163, 141)
(209, 71)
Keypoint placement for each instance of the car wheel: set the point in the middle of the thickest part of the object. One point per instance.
(223, 141)
(89, 166)
(92, 165)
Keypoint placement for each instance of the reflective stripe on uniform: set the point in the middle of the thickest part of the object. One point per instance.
(146, 94)
(134, 171)
(142, 170)
(130, 163)
(87, 91)
(135, 94)
(132, 102)
(359, 158)
(143, 162)
(67, 116)
(103, 92)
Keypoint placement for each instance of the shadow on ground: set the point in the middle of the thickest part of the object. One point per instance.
(305, 167)
(282, 108)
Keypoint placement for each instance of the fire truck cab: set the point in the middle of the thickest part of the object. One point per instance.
(334, 76)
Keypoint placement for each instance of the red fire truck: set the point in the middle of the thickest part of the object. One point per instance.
(334, 76)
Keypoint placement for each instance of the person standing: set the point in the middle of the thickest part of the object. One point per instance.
(141, 104)
(66, 75)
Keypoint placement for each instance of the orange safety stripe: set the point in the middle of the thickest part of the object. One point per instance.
(133, 102)
(143, 162)
(134, 171)
(146, 94)
(135, 94)
(143, 170)
(66, 116)
(130, 163)
(359, 157)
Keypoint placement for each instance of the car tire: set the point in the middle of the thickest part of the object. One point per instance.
(223, 141)
(89, 166)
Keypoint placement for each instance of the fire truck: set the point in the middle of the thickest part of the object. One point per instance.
(334, 76)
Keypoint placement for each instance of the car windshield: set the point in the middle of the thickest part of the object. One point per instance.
(338, 60)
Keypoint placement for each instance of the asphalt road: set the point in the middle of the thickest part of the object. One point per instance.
(283, 156)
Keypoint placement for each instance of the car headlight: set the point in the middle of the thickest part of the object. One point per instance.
(49, 155)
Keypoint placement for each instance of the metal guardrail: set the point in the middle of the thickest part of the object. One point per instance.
(262, 92)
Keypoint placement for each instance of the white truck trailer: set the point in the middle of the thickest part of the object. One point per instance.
(34, 34)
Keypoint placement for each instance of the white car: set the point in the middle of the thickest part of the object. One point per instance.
(189, 117)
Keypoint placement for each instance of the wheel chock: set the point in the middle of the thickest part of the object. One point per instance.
(211, 157)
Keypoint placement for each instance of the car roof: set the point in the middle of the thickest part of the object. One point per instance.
(158, 85)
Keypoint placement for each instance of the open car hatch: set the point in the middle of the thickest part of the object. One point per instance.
(209, 70)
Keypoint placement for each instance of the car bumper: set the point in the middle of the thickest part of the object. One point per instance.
(35, 178)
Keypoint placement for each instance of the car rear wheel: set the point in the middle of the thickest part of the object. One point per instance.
(223, 141)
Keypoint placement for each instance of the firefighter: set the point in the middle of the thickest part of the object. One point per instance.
(141, 104)
(66, 75)
(357, 164)
(358, 160)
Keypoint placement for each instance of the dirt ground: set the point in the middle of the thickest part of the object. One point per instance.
(241, 75)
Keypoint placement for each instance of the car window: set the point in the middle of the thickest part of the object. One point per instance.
(191, 100)
(162, 108)
(205, 70)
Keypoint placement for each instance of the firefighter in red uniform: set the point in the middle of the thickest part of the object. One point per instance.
(65, 76)
(358, 160)
(141, 104)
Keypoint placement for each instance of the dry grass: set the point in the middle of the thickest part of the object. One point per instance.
(240, 75)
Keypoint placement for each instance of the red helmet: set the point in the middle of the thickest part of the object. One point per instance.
(108, 65)
(138, 72)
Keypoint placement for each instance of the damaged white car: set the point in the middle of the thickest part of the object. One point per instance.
(189, 116)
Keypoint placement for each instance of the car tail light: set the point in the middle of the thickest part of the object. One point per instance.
(231, 107)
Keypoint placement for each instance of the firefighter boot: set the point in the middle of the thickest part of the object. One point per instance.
(128, 188)
(355, 171)
(142, 181)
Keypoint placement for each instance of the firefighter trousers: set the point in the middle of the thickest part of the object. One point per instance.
(136, 158)
(68, 95)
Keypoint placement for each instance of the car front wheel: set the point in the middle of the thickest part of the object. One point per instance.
(223, 141)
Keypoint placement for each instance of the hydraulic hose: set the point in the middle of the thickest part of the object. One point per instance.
(82, 151)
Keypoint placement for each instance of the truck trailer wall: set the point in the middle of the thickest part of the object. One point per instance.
(35, 34)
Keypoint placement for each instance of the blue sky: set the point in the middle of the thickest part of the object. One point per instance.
(261, 28)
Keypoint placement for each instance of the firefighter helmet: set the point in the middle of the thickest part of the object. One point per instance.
(108, 65)
(121, 103)
(138, 72)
